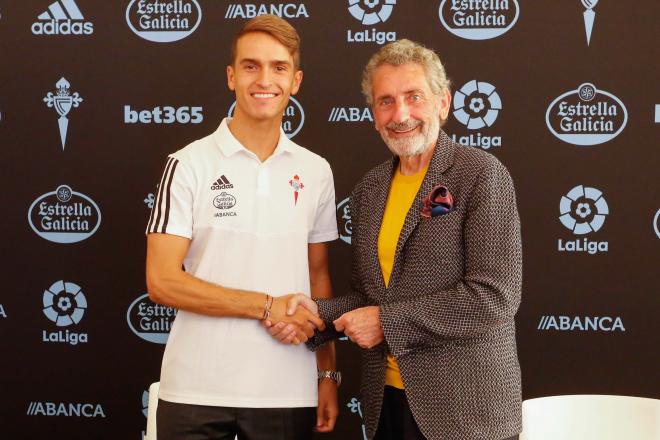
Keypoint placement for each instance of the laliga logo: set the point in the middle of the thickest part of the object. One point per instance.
(63, 101)
(294, 117)
(163, 21)
(478, 19)
(374, 16)
(586, 116)
(64, 303)
(477, 105)
(64, 216)
(150, 321)
(583, 210)
(344, 220)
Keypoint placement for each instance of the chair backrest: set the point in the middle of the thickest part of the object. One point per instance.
(151, 411)
(591, 417)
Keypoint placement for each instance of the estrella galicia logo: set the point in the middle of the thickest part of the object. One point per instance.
(369, 13)
(477, 105)
(581, 323)
(478, 20)
(163, 21)
(583, 210)
(656, 223)
(586, 116)
(64, 303)
(62, 18)
(150, 321)
(63, 101)
(294, 117)
(65, 409)
(64, 216)
(251, 10)
(344, 220)
(224, 201)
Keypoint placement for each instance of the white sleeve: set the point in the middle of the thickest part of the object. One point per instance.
(325, 223)
(173, 207)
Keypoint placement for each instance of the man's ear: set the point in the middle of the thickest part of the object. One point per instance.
(230, 77)
(445, 103)
(297, 80)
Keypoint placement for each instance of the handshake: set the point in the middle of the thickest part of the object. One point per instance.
(295, 317)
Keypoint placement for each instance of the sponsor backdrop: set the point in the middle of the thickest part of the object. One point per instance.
(95, 94)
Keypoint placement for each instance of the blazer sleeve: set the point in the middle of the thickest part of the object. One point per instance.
(332, 308)
(489, 294)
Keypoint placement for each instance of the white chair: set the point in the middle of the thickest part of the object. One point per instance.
(591, 417)
(151, 411)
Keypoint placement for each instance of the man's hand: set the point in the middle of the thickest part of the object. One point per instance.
(362, 326)
(328, 409)
(290, 323)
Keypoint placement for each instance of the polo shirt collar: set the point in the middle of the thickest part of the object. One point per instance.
(229, 145)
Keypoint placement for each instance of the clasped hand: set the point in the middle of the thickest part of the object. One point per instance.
(361, 325)
(299, 323)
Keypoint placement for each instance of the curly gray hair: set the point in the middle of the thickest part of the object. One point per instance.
(402, 52)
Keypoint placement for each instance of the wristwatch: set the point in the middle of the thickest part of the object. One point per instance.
(334, 375)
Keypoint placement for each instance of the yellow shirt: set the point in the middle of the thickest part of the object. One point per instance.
(402, 194)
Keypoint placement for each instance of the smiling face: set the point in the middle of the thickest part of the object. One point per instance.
(263, 76)
(406, 112)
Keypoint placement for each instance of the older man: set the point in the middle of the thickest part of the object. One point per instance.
(436, 275)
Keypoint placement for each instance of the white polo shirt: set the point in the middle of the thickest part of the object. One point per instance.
(249, 224)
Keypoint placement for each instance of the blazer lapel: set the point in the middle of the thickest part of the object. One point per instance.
(443, 158)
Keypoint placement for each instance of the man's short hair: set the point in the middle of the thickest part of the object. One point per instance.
(277, 28)
(402, 52)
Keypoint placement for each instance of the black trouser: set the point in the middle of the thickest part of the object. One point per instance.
(396, 420)
(177, 421)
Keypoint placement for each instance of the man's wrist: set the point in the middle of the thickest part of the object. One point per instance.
(330, 374)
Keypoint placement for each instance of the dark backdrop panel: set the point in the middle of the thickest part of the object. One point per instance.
(587, 323)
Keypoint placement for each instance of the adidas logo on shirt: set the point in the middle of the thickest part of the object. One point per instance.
(62, 18)
(221, 183)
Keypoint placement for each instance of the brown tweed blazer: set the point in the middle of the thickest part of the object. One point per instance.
(448, 313)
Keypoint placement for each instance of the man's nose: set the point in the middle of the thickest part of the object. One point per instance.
(264, 79)
(401, 112)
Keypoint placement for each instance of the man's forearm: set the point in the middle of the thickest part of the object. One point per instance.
(326, 357)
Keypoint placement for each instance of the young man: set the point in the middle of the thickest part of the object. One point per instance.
(247, 212)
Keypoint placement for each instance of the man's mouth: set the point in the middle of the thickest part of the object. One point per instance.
(402, 129)
(263, 95)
